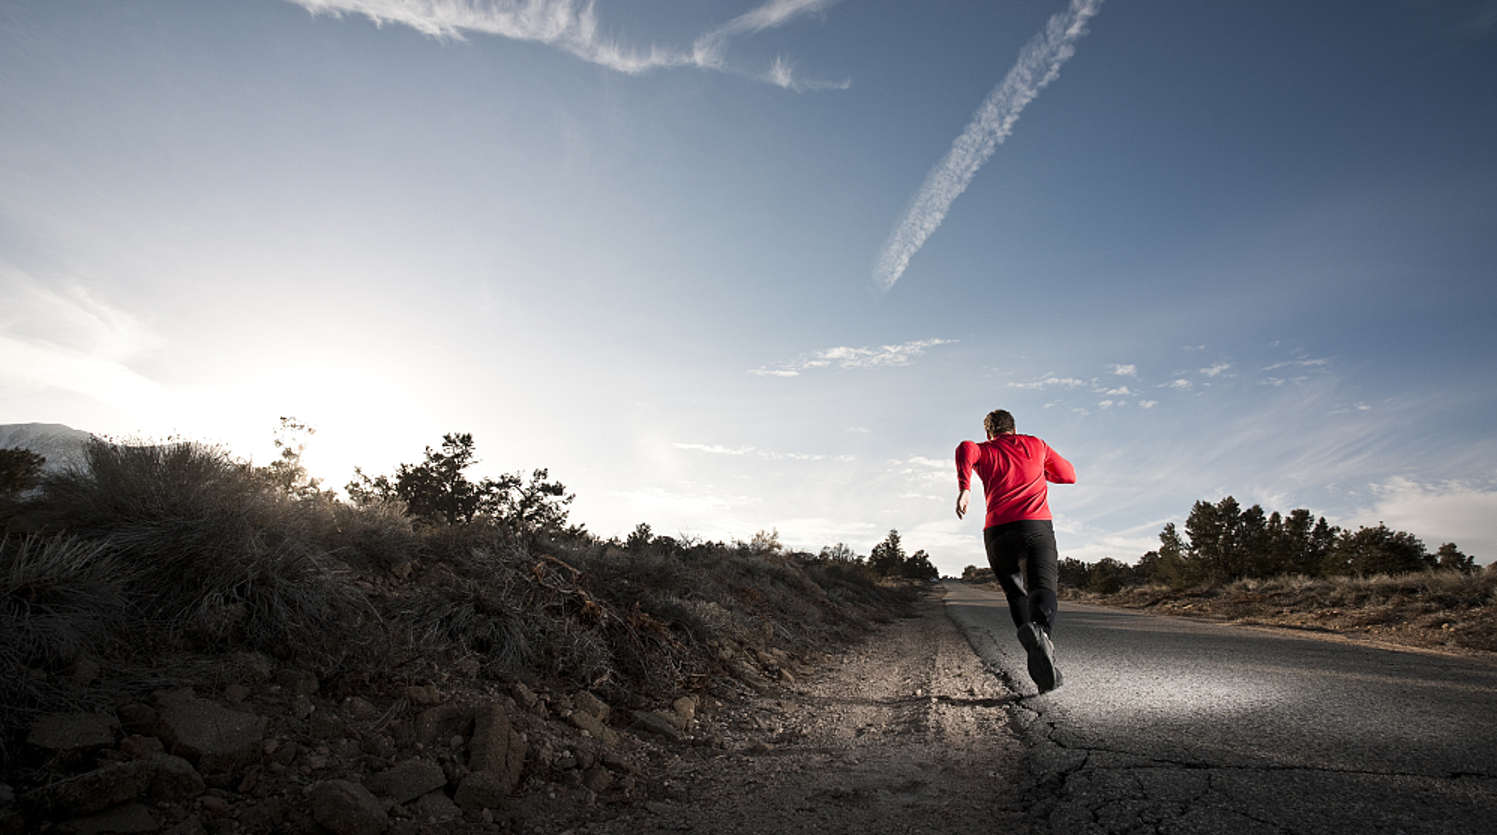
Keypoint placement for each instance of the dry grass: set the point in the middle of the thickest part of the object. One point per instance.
(179, 552)
(1448, 610)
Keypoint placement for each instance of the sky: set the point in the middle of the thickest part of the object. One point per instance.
(729, 267)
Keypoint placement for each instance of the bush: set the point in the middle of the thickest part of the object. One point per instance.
(220, 557)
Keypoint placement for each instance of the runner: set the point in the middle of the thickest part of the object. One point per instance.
(1017, 531)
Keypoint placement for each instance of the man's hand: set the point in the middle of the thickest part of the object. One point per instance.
(962, 499)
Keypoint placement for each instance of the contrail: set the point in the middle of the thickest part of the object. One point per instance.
(1038, 65)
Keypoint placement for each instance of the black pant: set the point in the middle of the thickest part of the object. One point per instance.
(1027, 564)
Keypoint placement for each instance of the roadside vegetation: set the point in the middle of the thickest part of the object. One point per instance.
(154, 563)
(1295, 570)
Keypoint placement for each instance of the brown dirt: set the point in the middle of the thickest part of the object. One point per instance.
(906, 733)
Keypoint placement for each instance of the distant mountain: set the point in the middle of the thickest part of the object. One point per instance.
(60, 445)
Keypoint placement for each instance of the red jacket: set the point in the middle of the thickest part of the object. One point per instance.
(1013, 469)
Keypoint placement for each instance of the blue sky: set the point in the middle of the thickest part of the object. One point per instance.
(1201, 248)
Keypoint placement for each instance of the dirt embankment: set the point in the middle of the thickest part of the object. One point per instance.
(906, 733)
(1442, 610)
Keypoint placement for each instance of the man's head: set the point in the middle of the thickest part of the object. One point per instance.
(998, 422)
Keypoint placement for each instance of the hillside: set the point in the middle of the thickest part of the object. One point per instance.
(188, 646)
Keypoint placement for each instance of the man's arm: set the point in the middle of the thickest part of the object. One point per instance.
(966, 453)
(1058, 469)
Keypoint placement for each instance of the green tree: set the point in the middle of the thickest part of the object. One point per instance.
(640, 538)
(1450, 557)
(1108, 576)
(1167, 566)
(917, 566)
(533, 507)
(839, 553)
(438, 492)
(887, 557)
(1073, 572)
(286, 473)
(1378, 550)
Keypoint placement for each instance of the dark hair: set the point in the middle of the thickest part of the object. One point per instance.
(998, 422)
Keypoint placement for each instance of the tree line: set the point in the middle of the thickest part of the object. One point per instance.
(1222, 542)
(438, 492)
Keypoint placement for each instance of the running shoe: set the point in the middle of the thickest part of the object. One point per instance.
(1041, 657)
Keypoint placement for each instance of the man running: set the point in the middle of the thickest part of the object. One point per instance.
(1017, 532)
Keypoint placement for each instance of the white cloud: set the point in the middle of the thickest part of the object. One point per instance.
(1125, 370)
(716, 449)
(1039, 64)
(1178, 384)
(1147, 404)
(72, 341)
(573, 27)
(1315, 363)
(1437, 512)
(1119, 391)
(1217, 369)
(1050, 381)
(882, 356)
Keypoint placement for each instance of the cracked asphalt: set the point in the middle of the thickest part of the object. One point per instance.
(1177, 726)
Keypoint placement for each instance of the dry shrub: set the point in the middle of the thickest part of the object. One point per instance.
(60, 598)
(216, 556)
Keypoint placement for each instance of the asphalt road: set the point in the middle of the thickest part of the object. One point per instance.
(1179, 726)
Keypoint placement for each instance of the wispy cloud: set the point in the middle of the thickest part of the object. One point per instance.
(573, 27)
(1125, 370)
(72, 341)
(1039, 64)
(882, 356)
(1049, 381)
(717, 449)
(1455, 511)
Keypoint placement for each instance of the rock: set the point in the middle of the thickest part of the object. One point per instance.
(615, 761)
(751, 677)
(215, 738)
(525, 697)
(657, 723)
(597, 778)
(327, 725)
(435, 807)
(125, 819)
(686, 708)
(299, 682)
(590, 704)
(173, 779)
(496, 747)
(408, 780)
(584, 721)
(347, 808)
(423, 694)
(73, 736)
(163, 778)
(378, 745)
(442, 722)
(189, 826)
(360, 708)
(481, 790)
(302, 707)
(136, 718)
